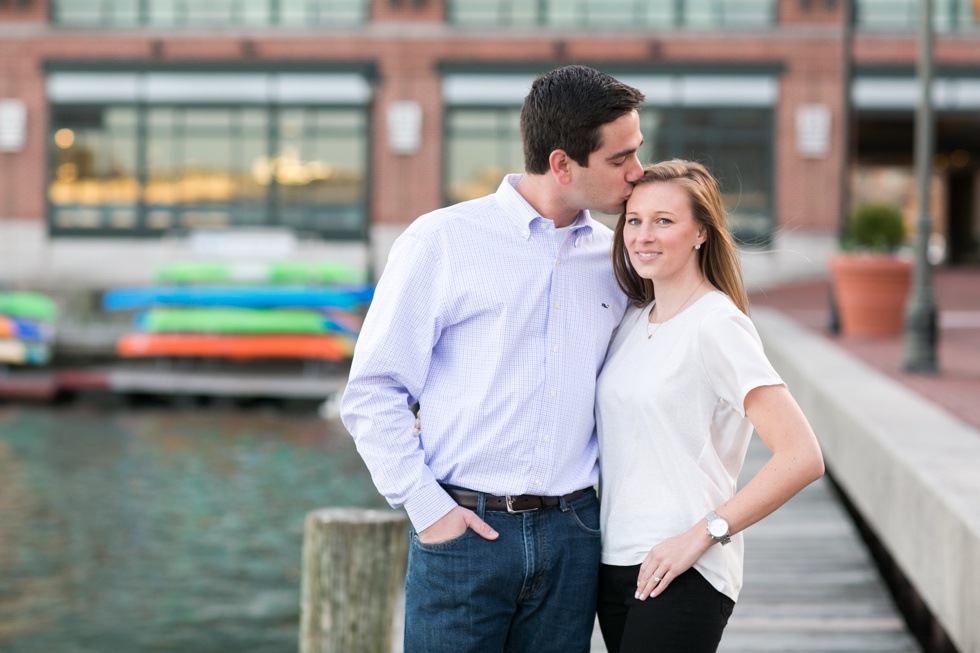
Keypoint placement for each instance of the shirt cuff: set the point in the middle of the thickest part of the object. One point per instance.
(427, 506)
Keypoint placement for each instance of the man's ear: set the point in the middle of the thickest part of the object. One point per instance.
(561, 166)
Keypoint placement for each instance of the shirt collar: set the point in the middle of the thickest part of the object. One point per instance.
(522, 214)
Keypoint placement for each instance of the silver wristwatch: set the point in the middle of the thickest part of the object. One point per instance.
(718, 527)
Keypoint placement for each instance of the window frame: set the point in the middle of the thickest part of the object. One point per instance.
(359, 102)
(685, 99)
(142, 13)
(681, 15)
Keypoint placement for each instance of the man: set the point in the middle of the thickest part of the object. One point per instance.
(495, 315)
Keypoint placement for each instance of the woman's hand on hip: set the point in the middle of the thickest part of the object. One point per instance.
(670, 559)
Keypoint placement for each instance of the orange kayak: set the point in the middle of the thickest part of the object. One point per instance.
(333, 347)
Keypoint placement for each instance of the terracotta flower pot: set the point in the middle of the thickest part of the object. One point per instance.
(871, 291)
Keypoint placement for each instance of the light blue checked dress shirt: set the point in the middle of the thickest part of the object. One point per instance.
(499, 332)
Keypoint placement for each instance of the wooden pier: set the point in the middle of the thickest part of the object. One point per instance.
(810, 583)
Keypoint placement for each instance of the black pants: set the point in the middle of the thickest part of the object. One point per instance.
(689, 617)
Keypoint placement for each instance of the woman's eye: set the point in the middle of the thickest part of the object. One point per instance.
(633, 222)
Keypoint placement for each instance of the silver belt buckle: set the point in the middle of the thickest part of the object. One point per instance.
(510, 506)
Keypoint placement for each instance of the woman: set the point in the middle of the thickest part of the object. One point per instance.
(684, 383)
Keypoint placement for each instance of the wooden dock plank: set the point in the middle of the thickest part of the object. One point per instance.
(810, 583)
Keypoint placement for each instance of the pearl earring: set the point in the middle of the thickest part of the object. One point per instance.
(698, 246)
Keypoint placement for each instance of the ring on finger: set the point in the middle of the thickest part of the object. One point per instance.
(657, 579)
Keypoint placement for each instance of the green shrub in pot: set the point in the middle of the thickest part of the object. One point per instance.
(877, 227)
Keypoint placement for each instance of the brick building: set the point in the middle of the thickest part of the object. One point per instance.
(129, 126)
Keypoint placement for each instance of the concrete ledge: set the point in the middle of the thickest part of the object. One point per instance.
(31, 260)
(911, 469)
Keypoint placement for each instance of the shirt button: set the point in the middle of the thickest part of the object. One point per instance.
(557, 306)
(555, 349)
(544, 225)
(538, 482)
(547, 438)
(554, 394)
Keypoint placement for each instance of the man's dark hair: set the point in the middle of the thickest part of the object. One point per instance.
(566, 108)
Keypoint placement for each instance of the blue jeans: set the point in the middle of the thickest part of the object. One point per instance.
(531, 590)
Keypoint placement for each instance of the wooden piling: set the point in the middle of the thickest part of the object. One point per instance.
(353, 574)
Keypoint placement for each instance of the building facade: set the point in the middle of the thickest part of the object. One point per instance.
(130, 127)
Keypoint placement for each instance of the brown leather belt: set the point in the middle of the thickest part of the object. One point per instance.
(512, 503)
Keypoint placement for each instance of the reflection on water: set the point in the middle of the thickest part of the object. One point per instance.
(153, 530)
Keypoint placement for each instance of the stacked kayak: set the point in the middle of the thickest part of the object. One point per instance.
(343, 297)
(294, 310)
(315, 273)
(27, 326)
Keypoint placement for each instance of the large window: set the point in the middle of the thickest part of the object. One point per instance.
(150, 167)
(314, 187)
(696, 14)
(94, 169)
(483, 144)
(735, 142)
(212, 13)
(903, 15)
(736, 145)
(199, 167)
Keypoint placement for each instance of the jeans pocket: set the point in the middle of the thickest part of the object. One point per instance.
(586, 517)
(440, 546)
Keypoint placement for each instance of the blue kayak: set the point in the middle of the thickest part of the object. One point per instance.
(345, 297)
(24, 329)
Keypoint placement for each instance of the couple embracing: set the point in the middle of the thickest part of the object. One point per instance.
(542, 347)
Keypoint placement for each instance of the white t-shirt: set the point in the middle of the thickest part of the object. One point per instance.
(672, 429)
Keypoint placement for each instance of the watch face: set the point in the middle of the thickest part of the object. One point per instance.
(718, 527)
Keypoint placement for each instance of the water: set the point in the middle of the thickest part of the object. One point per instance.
(162, 530)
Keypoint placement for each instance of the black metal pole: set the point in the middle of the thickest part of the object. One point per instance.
(847, 145)
(921, 332)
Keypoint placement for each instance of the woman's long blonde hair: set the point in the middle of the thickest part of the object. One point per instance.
(718, 256)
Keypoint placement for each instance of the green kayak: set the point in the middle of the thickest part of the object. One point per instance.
(233, 320)
(277, 272)
(31, 305)
(317, 272)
